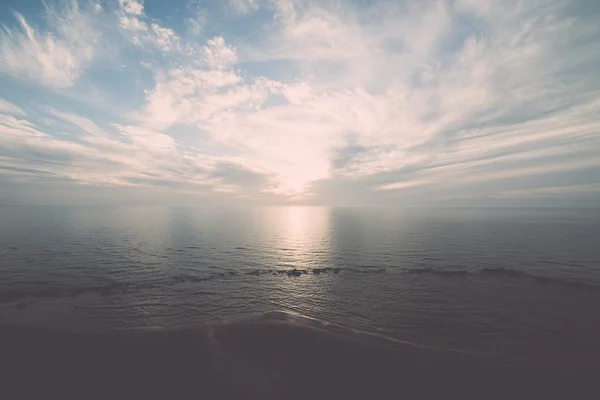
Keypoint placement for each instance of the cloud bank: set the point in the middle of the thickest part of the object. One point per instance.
(302, 102)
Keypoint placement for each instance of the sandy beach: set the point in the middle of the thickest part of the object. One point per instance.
(276, 357)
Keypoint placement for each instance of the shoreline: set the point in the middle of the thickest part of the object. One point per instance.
(280, 356)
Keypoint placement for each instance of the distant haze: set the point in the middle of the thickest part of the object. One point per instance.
(466, 102)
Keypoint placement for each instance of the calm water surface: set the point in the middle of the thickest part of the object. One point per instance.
(514, 282)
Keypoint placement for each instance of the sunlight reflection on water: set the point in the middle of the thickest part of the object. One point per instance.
(461, 279)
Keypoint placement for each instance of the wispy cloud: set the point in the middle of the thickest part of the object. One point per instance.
(55, 57)
(143, 31)
(10, 109)
(301, 100)
(244, 6)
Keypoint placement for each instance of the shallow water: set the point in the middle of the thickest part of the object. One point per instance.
(517, 282)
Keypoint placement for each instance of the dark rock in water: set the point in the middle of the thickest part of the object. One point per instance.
(289, 272)
(22, 304)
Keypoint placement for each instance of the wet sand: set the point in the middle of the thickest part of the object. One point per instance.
(270, 358)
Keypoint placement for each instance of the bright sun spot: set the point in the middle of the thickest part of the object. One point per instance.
(296, 179)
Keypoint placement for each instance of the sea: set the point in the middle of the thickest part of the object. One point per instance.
(516, 282)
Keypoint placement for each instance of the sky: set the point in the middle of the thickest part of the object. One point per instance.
(399, 102)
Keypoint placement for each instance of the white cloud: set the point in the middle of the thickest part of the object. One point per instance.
(9, 108)
(182, 94)
(218, 55)
(56, 57)
(145, 139)
(128, 156)
(426, 25)
(244, 6)
(132, 7)
(388, 98)
(12, 128)
(402, 185)
(315, 34)
(133, 24)
(297, 93)
(165, 38)
(479, 7)
(295, 140)
(195, 25)
(88, 126)
(203, 90)
(551, 191)
(144, 32)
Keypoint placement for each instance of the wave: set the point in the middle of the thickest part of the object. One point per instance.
(317, 271)
(439, 272)
(23, 296)
(10, 296)
(28, 293)
(257, 272)
(512, 273)
(365, 271)
(502, 272)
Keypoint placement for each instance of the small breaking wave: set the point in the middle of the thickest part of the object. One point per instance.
(439, 272)
(293, 272)
(23, 296)
(118, 288)
(502, 273)
(511, 273)
(112, 288)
